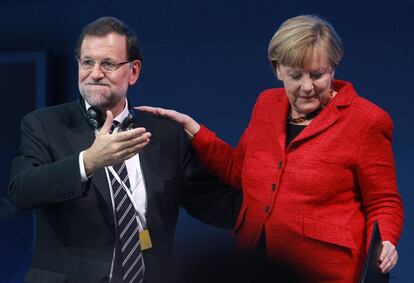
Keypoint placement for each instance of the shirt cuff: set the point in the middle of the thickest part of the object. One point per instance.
(84, 178)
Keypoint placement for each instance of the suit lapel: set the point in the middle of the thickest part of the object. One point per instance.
(80, 138)
(149, 158)
(331, 113)
(278, 118)
(149, 161)
(324, 120)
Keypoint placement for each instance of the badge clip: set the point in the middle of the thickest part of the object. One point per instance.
(145, 239)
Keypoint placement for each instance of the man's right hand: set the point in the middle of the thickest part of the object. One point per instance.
(109, 149)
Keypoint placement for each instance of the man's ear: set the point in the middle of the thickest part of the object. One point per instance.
(134, 72)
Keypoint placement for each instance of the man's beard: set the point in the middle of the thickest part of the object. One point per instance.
(100, 101)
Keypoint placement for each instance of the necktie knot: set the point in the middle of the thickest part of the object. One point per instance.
(115, 124)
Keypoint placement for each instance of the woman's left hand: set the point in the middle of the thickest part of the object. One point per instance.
(191, 127)
(388, 257)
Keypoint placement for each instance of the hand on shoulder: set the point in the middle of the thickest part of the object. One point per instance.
(191, 127)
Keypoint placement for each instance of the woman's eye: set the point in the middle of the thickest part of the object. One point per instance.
(295, 76)
(316, 76)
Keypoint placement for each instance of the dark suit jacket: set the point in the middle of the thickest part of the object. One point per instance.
(75, 228)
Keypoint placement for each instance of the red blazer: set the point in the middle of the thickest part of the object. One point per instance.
(317, 198)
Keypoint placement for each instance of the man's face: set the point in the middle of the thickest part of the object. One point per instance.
(101, 88)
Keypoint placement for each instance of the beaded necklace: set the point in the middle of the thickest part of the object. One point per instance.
(311, 115)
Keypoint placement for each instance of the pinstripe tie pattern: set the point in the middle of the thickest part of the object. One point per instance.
(132, 260)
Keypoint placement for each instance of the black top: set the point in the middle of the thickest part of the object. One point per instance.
(292, 131)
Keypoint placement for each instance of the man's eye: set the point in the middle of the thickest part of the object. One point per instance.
(108, 65)
(88, 63)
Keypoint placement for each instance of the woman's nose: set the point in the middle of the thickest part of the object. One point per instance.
(307, 84)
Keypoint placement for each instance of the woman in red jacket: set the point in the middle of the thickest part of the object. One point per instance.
(315, 163)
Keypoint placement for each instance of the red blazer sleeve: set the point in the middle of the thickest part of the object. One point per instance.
(219, 157)
(377, 180)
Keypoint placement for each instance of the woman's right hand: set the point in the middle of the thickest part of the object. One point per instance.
(191, 127)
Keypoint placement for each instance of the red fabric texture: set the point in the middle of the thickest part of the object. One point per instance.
(318, 197)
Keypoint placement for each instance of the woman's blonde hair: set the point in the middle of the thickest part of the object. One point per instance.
(296, 40)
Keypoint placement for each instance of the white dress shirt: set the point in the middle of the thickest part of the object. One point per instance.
(138, 192)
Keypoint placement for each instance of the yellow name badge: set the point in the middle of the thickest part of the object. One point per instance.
(145, 239)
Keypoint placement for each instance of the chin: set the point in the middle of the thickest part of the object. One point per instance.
(99, 103)
(305, 110)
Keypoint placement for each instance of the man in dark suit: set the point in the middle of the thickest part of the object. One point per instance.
(67, 171)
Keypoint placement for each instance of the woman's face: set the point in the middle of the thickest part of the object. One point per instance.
(309, 87)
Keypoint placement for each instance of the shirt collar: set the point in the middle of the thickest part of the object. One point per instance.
(121, 116)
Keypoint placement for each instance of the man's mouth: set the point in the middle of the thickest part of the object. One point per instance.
(95, 84)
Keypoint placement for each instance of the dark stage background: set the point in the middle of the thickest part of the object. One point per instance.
(206, 58)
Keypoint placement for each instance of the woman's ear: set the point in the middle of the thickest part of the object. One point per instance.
(277, 71)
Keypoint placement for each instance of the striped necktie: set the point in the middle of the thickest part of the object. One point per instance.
(128, 230)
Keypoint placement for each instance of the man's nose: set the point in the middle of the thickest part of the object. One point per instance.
(96, 72)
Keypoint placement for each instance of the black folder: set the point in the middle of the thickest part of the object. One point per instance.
(371, 272)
